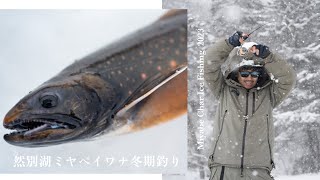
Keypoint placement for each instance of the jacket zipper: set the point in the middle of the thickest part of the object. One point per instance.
(222, 173)
(214, 149)
(253, 102)
(244, 134)
(272, 163)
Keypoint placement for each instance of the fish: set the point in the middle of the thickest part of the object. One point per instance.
(132, 84)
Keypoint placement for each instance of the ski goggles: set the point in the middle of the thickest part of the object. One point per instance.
(254, 74)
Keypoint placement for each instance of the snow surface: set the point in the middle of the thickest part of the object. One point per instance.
(299, 177)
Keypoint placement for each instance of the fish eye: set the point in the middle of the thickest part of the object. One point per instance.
(48, 101)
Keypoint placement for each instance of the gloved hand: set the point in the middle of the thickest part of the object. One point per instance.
(263, 51)
(234, 40)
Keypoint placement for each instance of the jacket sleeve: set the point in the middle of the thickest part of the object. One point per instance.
(215, 57)
(283, 76)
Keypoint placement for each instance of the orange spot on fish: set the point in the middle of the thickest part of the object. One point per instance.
(143, 75)
(173, 64)
(159, 68)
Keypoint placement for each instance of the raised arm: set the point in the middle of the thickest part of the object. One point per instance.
(283, 75)
(216, 56)
(280, 72)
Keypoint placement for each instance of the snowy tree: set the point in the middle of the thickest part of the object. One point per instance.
(297, 38)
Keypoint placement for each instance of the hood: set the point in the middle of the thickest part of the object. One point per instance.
(241, 56)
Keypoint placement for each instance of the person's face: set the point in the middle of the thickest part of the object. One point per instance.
(250, 81)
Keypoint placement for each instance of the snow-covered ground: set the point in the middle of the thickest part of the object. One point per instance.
(300, 177)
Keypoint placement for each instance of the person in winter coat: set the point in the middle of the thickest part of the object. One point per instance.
(249, 81)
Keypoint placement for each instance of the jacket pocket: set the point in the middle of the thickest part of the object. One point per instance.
(217, 173)
(220, 131)
(213, 172)
(269, 144)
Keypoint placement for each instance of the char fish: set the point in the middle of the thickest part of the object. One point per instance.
(132, 84)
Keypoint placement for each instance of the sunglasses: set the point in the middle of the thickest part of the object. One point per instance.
(254, 74)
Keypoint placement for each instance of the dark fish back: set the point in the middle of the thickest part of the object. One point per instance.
(138, 62)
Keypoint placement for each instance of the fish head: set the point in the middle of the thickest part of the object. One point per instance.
(59, 112)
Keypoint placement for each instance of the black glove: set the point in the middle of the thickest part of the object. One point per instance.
(263, 51)
(234, 39)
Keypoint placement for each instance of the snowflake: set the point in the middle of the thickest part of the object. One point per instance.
(255, 173)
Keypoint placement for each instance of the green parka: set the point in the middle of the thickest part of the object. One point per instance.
(243, 125)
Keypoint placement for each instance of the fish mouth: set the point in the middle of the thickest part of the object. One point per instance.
(41, 130)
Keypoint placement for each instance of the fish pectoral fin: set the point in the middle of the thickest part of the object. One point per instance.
(163, 103)
(126, 109)
(151, 84)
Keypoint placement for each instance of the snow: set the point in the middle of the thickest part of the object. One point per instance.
(304, 114)
(231, 13)
(299, 177)
(255, 173)
(305, 75)
(266, 2)
(297, 123)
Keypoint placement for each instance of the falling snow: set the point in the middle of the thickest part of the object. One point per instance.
(292, 30)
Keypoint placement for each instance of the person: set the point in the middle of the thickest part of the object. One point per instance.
(249, 81)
